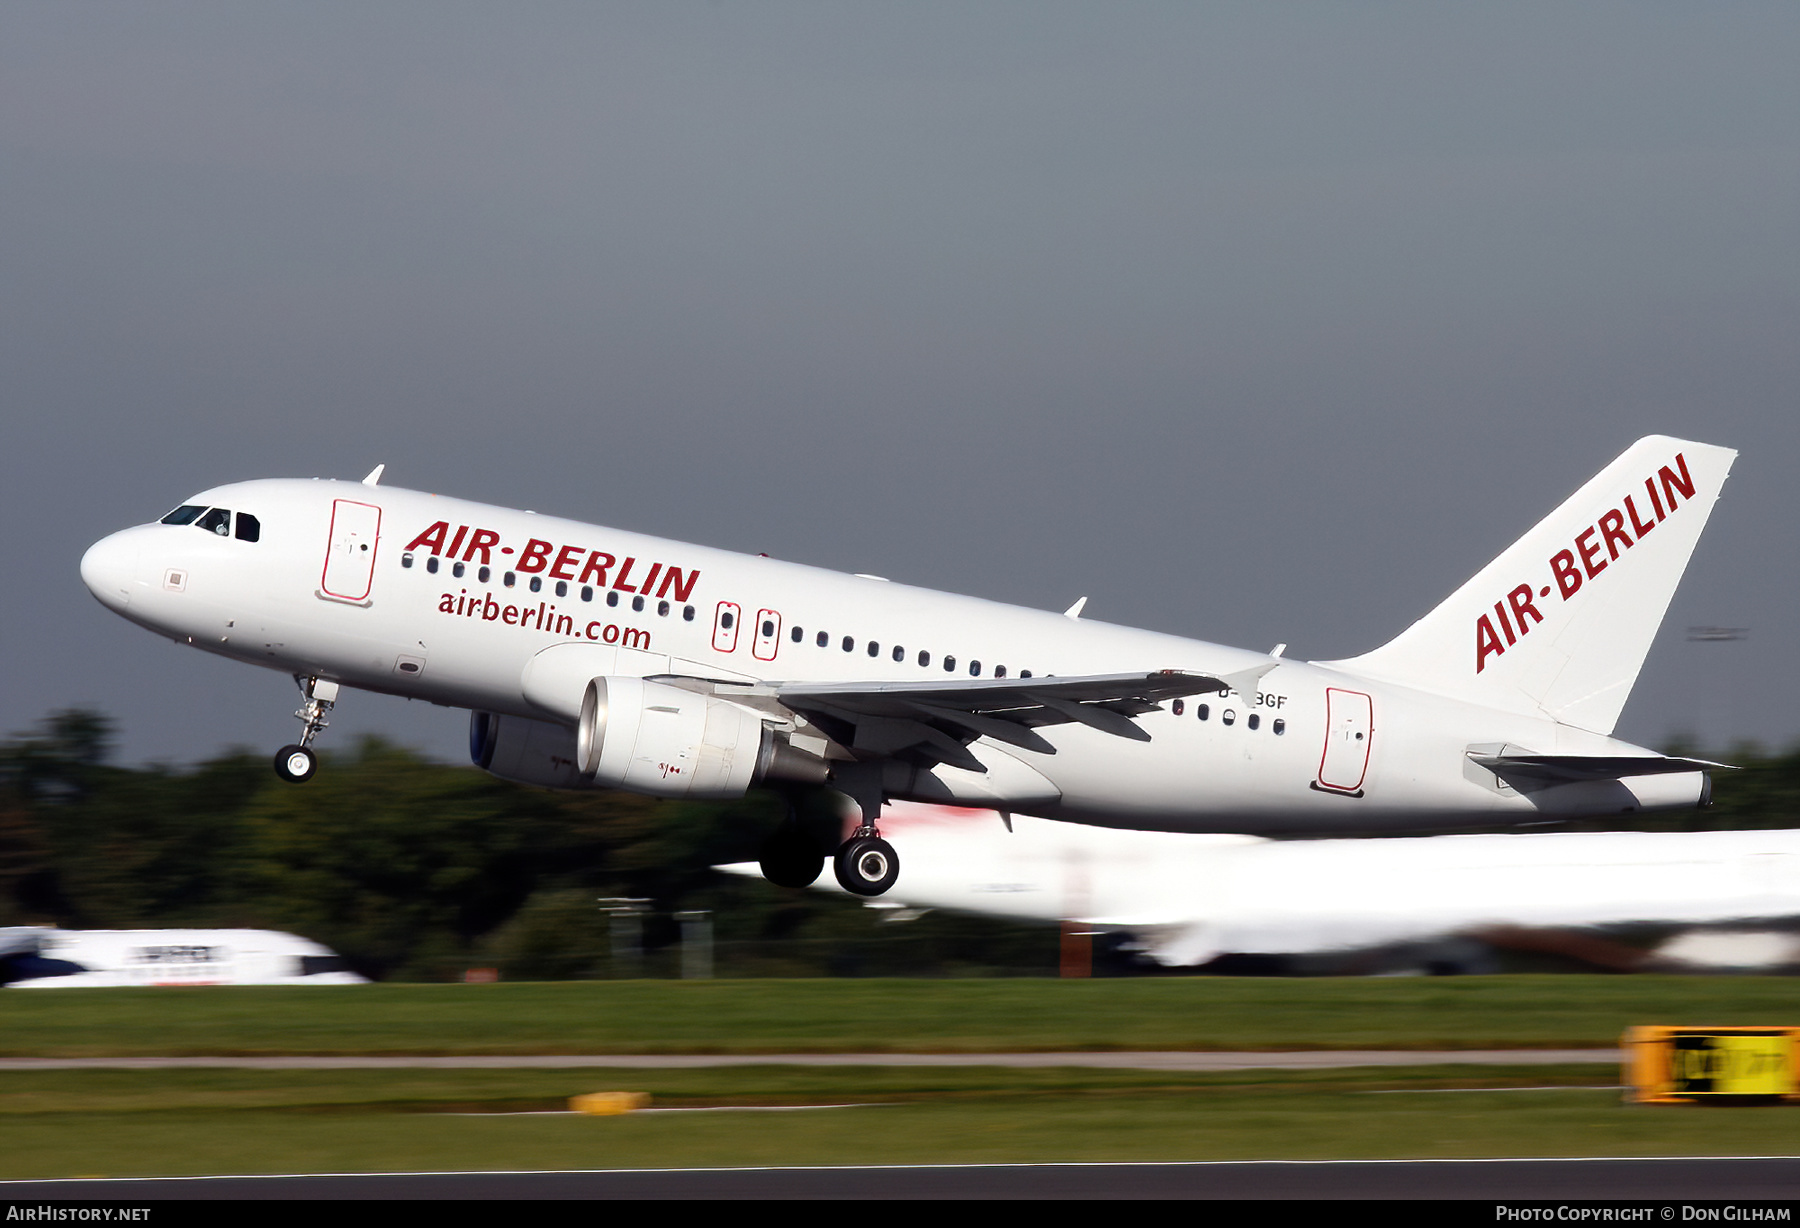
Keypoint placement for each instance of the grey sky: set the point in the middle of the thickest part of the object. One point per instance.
(1253, 322)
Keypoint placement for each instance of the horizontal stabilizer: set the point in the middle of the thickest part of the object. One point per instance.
(1561, 769)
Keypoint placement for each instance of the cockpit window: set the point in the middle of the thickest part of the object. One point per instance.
(185, 514)
(249, 528)
(218, 520)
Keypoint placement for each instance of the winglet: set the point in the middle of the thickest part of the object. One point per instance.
(1074, 611)
(374, 478)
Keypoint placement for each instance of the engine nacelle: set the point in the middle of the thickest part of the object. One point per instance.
(524, 751)
(646, 737)
(658, 739)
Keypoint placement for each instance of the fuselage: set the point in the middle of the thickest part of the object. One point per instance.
(450, 601)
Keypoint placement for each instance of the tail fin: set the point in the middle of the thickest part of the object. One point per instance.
(1560, 623)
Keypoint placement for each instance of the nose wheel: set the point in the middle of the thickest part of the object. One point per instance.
(296, 763)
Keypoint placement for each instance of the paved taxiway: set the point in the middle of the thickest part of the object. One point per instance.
(1318, 1059)
(1641, 1181)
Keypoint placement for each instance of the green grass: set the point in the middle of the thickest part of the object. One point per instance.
(123, 1123)
(774, 1016)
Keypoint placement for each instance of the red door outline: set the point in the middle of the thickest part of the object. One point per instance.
(1349, 731)
(725, 637)
(350, 550)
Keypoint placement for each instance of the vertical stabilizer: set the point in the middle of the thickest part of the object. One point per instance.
(1560, 623)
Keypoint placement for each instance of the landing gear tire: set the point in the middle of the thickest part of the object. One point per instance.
(866, 865)
(295, 764)
(790, 858)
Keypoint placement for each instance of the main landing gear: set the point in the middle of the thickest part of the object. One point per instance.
(791, 857)
(865, 864)
(296, 763)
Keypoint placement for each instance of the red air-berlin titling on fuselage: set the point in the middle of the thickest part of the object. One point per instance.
(1514, 616)
(576, 564)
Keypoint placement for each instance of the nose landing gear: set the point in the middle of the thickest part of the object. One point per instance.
(296, 763)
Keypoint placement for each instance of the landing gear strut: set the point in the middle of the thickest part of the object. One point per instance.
(865, 864)
(296, 763)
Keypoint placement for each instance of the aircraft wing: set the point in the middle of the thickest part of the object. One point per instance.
(937, 719)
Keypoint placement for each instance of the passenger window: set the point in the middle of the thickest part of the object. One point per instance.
(1178, 707)
(482, 574)
(824, 638)
(1228, 716)
(687, 613)
(924, 657)
(637, 603)
(797, 635)
(949, 665)
(431, 564)
(1202, 711)
(562, 586)
(874, 649)
(975, 668)
(509, 579)
(1255, 720)
(662, 609)
(587, 592)
(768, 628)
(537, 584)
(899, 653)
(216, 521)
(456, 569)
(249, 528)
(1280, 726)
(187, 513)
(726, 620)
(849, 644)
(999, 671)
(406, 560)
(1024, 673)
(612, 598)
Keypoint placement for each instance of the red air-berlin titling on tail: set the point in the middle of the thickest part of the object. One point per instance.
(1518, 613)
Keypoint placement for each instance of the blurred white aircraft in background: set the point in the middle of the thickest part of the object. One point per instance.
(42, 957)
(1184, 900)
(596, 658)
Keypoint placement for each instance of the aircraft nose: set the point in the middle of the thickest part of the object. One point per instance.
(108, 569)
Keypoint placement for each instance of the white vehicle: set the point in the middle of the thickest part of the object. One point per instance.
(39, 957)
(596, 658)
(1186, 899)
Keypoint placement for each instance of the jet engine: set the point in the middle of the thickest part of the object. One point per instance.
(524, 751)
(646, 737)
(653, 738)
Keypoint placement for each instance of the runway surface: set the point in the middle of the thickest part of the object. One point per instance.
(1640, 1181)
(1321, 1059)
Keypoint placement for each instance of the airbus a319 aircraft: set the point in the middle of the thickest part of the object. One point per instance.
(597, 658)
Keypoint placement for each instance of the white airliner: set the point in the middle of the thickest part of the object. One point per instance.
(41, 957)
(597, 658)
(1186, 899)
